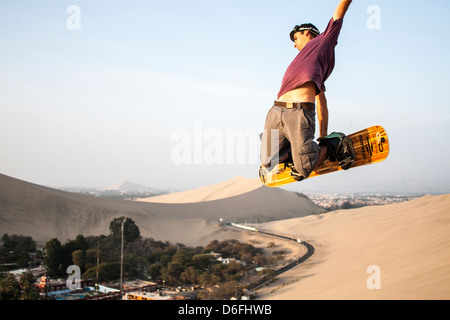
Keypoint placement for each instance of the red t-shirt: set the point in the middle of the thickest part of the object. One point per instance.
(315, 61)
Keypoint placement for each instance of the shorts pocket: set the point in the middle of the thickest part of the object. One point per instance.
(307, 158)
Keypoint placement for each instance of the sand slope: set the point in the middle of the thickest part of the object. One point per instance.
(409, 242)
(226, 189)
(44, 213)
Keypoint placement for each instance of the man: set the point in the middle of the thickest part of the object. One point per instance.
(290, 123)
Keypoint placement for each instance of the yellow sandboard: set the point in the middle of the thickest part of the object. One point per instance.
(371, 146)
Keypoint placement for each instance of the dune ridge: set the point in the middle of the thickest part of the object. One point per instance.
(230, 188)
(44, 213)
(407, 241)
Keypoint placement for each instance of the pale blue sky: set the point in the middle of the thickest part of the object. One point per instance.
(97, 105)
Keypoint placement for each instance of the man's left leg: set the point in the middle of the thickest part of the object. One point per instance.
(339, 148)
(323, 154)
(300, 129)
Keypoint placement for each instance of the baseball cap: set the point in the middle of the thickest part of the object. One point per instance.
(303, 27)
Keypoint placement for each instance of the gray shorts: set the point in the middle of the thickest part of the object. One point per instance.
(290, 132)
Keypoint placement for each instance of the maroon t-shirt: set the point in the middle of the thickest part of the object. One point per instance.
(315, 61)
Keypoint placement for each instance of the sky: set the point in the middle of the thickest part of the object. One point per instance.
(173, 94)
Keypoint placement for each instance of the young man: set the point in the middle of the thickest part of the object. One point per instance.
(290, 123)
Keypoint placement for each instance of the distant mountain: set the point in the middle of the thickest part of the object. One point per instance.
(128, 186)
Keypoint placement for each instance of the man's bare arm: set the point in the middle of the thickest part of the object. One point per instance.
(341, 9)
(322, 114)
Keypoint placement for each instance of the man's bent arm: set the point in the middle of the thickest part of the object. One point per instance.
(322, 114)
(341, 9)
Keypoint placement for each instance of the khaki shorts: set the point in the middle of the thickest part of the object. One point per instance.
(290, 132)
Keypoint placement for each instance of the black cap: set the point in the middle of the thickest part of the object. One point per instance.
(305, 27)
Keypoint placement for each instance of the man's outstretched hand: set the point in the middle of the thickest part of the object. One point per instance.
(341, 9)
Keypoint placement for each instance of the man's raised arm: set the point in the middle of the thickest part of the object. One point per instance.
(341, 9)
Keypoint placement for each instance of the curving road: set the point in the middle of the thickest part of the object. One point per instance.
(309, 247)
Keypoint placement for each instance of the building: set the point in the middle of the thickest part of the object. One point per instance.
(53, 287)
(138, 295)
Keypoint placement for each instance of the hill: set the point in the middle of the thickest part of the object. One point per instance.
(128, 186)
(403, 248)
(44, 213)
(226, 189)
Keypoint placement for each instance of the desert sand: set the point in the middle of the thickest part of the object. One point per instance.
(406, 243)
(45, 213)
(230, 188)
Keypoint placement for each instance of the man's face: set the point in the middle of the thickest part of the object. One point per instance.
(300, 40)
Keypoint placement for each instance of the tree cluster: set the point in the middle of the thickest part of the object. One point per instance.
(235, 249)
(175, 264)
(182, 265)
(16, 250)
(85, 252)
(99, 256)
(23, 289)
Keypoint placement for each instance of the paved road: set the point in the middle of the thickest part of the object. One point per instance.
(309, 247)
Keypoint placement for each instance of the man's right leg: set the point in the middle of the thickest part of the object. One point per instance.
(274, 145)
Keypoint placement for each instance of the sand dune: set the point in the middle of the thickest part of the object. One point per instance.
(226, 189)
(409, 242)
(44, 213)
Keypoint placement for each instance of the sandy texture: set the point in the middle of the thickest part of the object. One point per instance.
(226, 189)
(409, 242)
(45, 213)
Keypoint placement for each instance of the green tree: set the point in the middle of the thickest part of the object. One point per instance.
(260, 259)
(79, 259)
(52, 261)
(205, 279)
(202, 261)
(29, 290)
(79, 243)
(233, 271)
(172, 272)
(68, 248)
(23, 258)
(213, 246)
(190, 275)
(130, 229)
(109, 271)
(225, 291)
(154, 271)
(346, 205)
(18, 243)
(217, 272)
(9, 288)
(91, 258)
(16, 248)
(181, 257)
